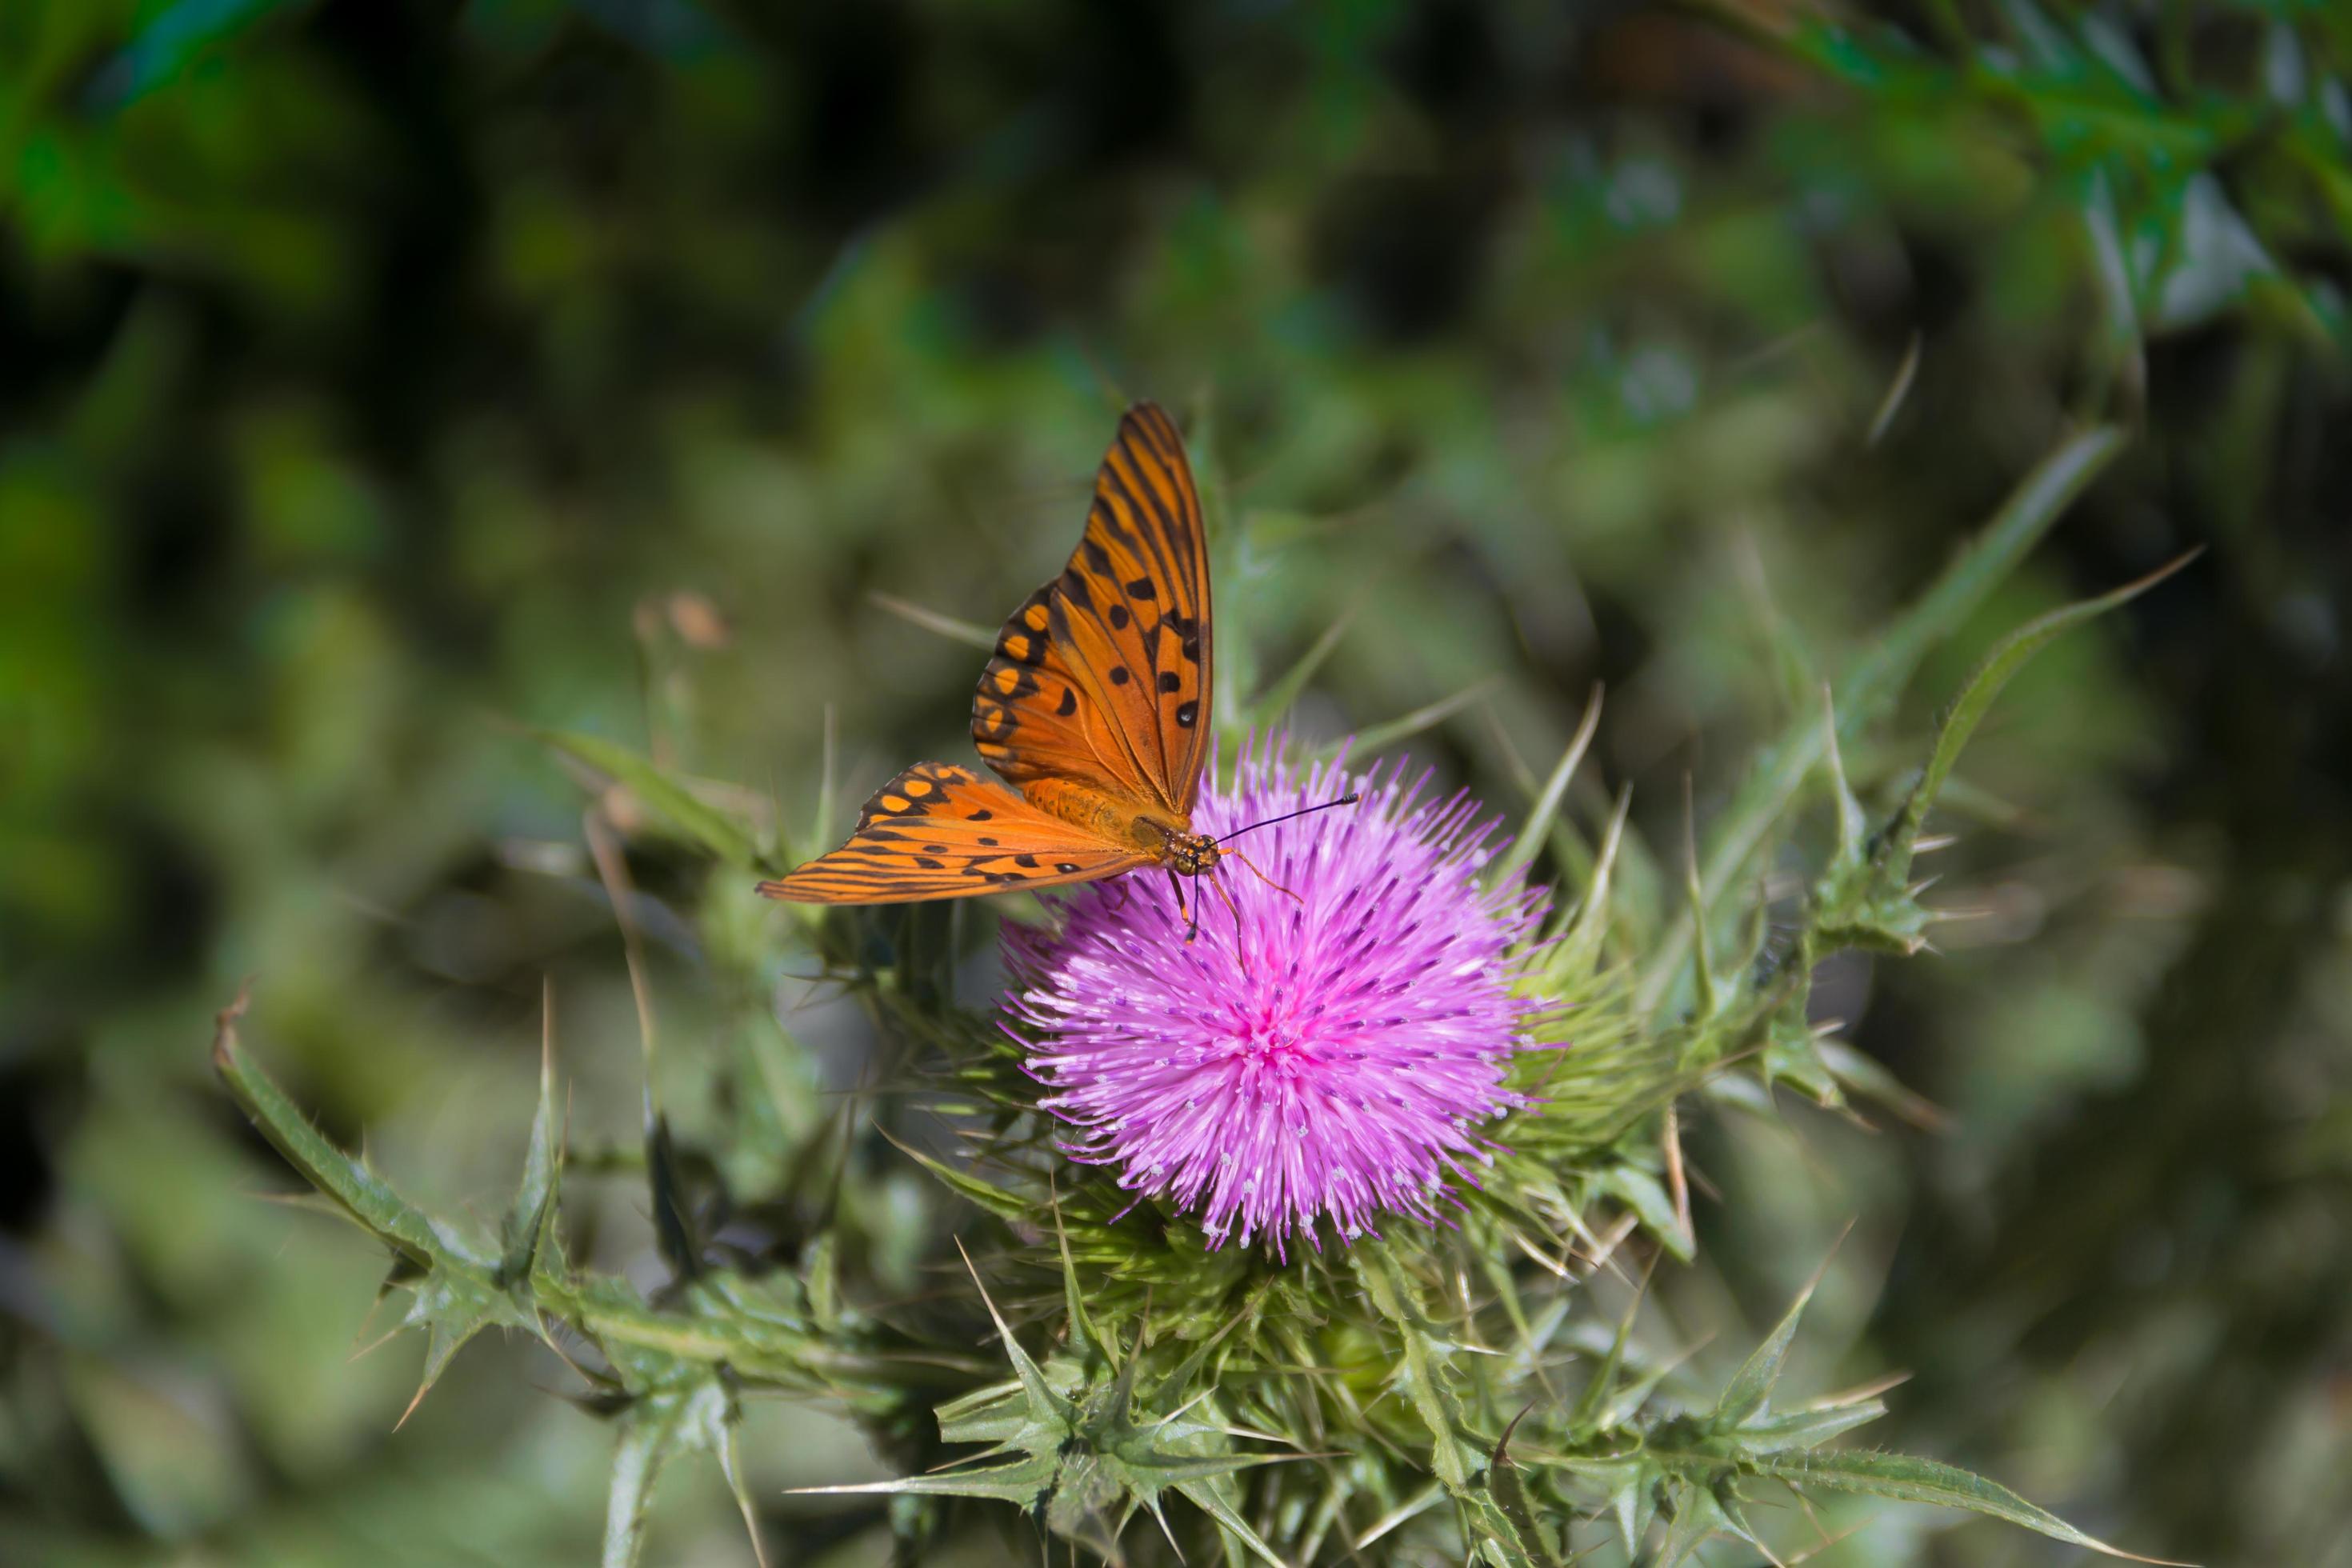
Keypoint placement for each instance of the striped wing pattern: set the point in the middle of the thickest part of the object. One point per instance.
(941, 832)
(1101, 676)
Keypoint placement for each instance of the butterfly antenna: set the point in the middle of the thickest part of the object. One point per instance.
(1348, 799)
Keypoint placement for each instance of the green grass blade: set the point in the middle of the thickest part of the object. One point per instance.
(1377, 738)
(1533, 833)
(686, 812)
(965, 632)
(1878, 677)
(1276, 699)
(1976, 698)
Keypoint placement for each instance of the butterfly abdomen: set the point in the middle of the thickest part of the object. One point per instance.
(1098, 812)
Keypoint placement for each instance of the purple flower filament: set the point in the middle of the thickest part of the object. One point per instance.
(1324, 1057)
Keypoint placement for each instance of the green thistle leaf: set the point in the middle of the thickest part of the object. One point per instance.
(1510, 1494)
(1421, 1376)
(453, 1305)
(1695, 1517)
(531, 1217)
(1801, 1430)
(1083, 1463)
(1907, 1480)
(692, 1413)
(458, 1289)
(1750, 1388)
(1002, 1202)
(364, 1198)
(1647, 1196)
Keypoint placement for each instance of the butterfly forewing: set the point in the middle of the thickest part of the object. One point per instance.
(1103, 675)
(939, 832)
(1034, 715)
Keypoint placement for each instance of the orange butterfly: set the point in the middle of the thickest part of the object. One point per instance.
(1094, 708)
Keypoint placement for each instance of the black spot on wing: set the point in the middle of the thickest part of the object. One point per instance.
(1188, 629)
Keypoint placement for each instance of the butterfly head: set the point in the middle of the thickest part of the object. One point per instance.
(1192, 854)
(1197, 854)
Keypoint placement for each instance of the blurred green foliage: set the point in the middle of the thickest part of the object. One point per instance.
(380, 382)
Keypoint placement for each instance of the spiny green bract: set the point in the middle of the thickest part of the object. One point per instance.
(1459, 1391)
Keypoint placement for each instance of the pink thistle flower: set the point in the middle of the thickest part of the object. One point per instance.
(1333, 1063)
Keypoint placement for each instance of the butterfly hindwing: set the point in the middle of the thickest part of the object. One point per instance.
(1103, 675)
(939, 832)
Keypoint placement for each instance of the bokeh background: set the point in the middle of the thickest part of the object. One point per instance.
(378, 379)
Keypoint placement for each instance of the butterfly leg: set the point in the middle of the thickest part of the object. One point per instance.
(1261, 876)
(1176, 884)
(1216, 882)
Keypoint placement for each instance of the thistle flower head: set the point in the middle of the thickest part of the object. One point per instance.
(1326, 1057)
